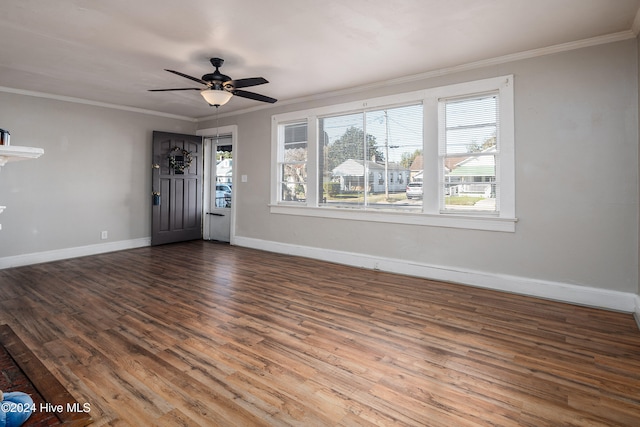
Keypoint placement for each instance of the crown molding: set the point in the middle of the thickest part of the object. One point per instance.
(93, 103)
(635, 27)
(563, 47)
(533, 53)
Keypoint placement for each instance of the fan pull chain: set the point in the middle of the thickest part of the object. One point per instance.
(217, 123)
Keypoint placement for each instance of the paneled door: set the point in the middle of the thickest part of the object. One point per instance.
(177, 188)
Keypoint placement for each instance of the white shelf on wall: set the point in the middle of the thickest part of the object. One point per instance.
(11, 153)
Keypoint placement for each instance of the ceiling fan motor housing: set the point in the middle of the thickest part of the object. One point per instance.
(217, 79)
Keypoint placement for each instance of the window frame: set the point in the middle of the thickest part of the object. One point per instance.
(431, 213)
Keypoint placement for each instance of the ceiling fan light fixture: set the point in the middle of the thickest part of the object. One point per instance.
(216, 97)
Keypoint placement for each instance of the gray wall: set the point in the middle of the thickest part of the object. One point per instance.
(576, 171)
(95, 174)
(576, 191)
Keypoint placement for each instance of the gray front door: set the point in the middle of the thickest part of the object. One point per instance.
(177, 188)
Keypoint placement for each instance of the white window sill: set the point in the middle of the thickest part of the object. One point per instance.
(466, 221)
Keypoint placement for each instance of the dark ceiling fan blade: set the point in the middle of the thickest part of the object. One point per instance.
(195, 79)
(254, 96)
(253, 81)
(180, 88)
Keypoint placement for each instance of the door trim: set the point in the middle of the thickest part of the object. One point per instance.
(211, 133)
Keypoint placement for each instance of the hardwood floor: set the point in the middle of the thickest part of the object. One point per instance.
(205, 334)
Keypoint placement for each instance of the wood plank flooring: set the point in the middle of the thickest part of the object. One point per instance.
(206, 334)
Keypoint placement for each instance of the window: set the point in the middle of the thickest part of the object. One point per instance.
(440, 157)
(292, 166)
(469, 150)
(366, 158)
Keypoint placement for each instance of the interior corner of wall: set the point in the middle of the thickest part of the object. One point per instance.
(636, 313)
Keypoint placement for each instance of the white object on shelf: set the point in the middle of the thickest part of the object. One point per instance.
(2, 208)
(10, 153)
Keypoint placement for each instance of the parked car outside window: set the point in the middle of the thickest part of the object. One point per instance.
(223, 187)
(223, 195)
(414, 190)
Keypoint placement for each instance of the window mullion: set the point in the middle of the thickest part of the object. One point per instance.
(365, 154)
(432, 164)
(312, 161)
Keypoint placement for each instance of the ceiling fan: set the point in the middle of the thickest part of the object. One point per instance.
(220, 88)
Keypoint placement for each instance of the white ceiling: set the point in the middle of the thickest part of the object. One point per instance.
(114, 51)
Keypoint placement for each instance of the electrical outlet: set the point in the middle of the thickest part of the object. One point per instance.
(104, 235)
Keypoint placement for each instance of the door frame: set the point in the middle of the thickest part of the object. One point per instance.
(207, 178)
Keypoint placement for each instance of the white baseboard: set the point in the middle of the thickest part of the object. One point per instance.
(58, 254)
(558, 291)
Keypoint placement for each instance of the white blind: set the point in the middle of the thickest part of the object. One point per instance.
(293, 163)
(469, 151)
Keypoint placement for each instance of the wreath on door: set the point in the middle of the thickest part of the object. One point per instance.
(185, 163)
